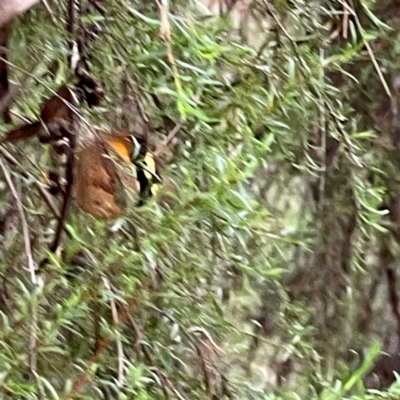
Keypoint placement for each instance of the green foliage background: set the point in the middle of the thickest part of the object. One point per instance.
(266, 249)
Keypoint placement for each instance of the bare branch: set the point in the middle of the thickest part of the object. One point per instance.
(121, 357)
(31, 266)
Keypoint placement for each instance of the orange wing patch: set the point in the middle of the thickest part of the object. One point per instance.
(123, 146)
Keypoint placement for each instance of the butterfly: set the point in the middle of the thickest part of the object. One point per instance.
(108, 164)
(102, 184)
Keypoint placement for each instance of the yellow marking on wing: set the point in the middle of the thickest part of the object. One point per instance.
(155, 188)
(151, 165)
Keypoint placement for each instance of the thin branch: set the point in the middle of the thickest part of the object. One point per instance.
(50, 11)
(70, 27)
(121, 357)
(195, 344)
(31, 266)
(20, 117)
(5, 32)
(67, 194)
(43, 192)
(172, 134)
(370, 52)
(164, 144)
(104, 344)
(148, 357)
(345, 22)
(139, 104)
(278, 22)
(25, 229)
(166, 384)
(167, 37)
(101, 9)
(322, 110)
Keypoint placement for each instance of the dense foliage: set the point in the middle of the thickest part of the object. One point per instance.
(265, 267)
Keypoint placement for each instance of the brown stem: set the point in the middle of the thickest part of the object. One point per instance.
(5, 32)
(67, 194)
(104, 343)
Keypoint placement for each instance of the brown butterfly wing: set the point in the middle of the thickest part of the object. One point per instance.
(99, 189)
